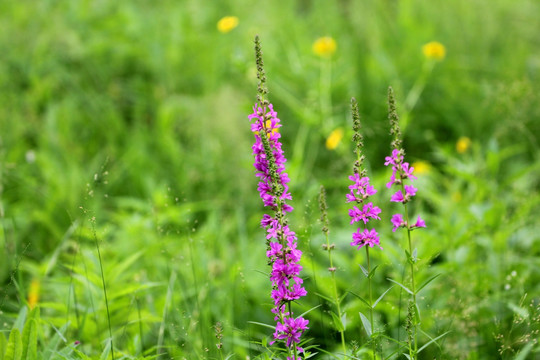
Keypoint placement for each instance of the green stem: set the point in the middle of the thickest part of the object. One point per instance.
(336, 299)
(370, 302)
(104, 288)
(413, 286)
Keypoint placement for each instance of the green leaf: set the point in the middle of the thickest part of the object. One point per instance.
(325, 297)
(344, 321)
(364, 270)
(52, 344)
(21, 319)
(337, 322)
(522, 355)
(361, 299)
(262, 324)
(106, 351)
(3, 345)
(402, 286)
(14, 346)
(366, 323)
(310, 310)
(29, 340)
(431, 341)
(427, 282)
(372, 272)
(381, 297)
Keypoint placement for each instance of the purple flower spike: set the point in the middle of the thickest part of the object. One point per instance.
(282, 252)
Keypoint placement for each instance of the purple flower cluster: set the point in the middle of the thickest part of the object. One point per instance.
(282, 253)
(360, 191)
(401, 171)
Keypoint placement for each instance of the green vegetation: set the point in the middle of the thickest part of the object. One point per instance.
(124, 125)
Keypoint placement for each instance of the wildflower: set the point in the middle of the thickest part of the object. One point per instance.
(463, 144)
(282, 252)
(419, 223)
(434, 50)
(361, 190)
(397, 221)
(400, 169)
(421, 167)
(366, 237)
(227, 23)
(33, 293)
(334, 139)
(324, 46)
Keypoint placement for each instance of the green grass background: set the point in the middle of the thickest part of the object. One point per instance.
(126, 123)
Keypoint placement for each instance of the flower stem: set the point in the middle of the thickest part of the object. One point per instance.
(413, 285)
(373, 345)
(336, 299)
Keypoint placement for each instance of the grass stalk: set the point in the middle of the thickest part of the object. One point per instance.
(104, 285)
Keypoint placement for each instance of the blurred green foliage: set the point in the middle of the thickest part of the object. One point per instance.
(126, 123)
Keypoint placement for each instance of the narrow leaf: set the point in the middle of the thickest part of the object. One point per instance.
(415, 254)
(364, 270)
(366, 323)
(3, 345)
(29, 340)
(310, 310)
(106, 351)
(344, 321)
(325, 297)
(522, 355)
(361, 299)
(262, 324)
(402, 286)
(14, 346)
(372, 272)
(427, 282)
(381, 297)
(337, 322)
(431, 341)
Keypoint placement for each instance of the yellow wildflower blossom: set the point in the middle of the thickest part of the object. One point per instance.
(434, 50)
(463, 144)
(421, 167)
(334, 139)
(324, 46)
(227, 23)
(33, 293)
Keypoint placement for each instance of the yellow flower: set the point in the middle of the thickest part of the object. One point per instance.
(324, 46)
(421, 167)
(33, 293)
(456, 196)
(434, 50)
(463, 144)
(227, 23)
(334, 139)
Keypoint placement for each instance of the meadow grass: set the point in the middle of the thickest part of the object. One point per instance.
(126, 124)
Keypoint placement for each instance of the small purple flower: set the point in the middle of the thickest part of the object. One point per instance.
(419, 223)
(366, 237)
(410, 191)
(397, 221)
(367, 212)
(398, 197)
(291, 329)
